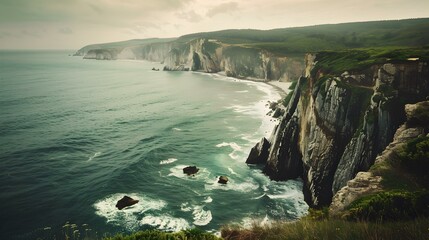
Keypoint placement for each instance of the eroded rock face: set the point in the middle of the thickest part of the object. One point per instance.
(363, 184)
(334, 127)
(366, 183)
(212, 56)
(259, 153)
(126, 202)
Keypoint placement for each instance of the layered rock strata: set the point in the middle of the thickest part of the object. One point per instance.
(335, 126)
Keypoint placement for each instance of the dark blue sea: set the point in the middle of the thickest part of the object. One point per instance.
(77, 135)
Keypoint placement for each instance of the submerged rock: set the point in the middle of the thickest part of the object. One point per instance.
(223, 180)
(126, 202)
(190, 170)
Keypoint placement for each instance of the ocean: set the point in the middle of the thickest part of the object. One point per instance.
(77, 135)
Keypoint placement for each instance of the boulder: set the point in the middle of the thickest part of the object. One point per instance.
(259, 153)
(126, 202)
(223, 179)
(190, 170)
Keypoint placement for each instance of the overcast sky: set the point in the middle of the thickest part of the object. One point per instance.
(71, 24)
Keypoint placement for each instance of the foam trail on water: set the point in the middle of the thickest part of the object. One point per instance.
(94, 156)
(168, 161)
(208, 199)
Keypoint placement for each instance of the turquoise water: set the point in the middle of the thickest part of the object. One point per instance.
(76, 135)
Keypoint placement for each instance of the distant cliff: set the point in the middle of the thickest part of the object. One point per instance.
(337, 122)
(209, 56)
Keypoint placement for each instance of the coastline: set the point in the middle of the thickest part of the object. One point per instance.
(273, 93)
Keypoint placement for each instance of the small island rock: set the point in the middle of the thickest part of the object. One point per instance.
(126, 202)
(190, 170)
(259, 153)
(223, 179)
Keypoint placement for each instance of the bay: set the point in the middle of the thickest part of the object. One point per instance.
(77, 135)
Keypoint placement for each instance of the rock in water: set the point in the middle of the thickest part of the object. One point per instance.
(190, 170)
(223, 179)
(259, 153)
(126, 202)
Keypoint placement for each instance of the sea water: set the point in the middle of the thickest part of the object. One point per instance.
(77, 135)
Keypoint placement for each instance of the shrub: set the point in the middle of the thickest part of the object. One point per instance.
(191, 234)
(414, 159)
(390, 206)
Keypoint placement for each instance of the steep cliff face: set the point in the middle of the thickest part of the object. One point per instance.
(205, 55)
(366, 183)
(102, 54)
(212, 56)
(336, 125)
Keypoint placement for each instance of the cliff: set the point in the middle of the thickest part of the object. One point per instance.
(212, 56)
(338, 121)
(373, 181)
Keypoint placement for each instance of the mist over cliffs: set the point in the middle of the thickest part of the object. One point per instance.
(353, 81)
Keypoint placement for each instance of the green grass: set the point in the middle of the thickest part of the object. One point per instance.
(410, 32)
(192, 234)
(337, 62)
(332, 229)
(407, 169)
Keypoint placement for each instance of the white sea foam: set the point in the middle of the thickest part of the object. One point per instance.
(127, 217)
(247, 186)
(243, 91)
(287, 199)
(185, 207)
(208, 199)
(234, 146)
(168, 161)
(259, 197)
(165, 222)
(94, 156)
(201, 217)
(177, 129)
(232, 171)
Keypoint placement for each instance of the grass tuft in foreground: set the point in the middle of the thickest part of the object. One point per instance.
(332, 229)
(191, 234)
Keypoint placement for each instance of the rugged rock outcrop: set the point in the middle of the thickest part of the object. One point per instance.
(190, 170)
(366, 183)
(126, 202)
(223, 180)
(335, 126)
(259, 153)
(102, 54)
(212, 56)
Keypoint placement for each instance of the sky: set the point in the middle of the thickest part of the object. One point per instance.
(71, 24)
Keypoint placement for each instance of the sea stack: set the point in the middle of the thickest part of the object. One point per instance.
(223, 180)
(126, 202)
(190, 170)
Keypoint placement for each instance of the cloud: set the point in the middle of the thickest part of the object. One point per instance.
(65, 30)
(222, 8)
(190, 16)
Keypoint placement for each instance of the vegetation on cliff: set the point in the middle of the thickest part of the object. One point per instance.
(411, 32)
(337, 62)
